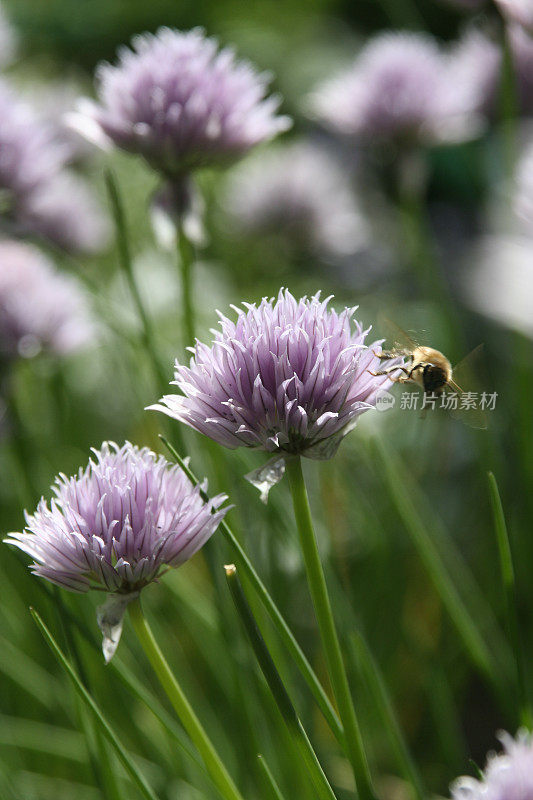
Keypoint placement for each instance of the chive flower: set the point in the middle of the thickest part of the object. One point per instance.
(507, 776)
(116, 525)
(41, 309)
(181, 102)
(290, 377)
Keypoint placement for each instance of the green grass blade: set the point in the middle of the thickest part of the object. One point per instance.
(509, 590)
(281, 626)
(382, 702)
(451, 599)
(123, 756)
(273, 791)
(277, 687)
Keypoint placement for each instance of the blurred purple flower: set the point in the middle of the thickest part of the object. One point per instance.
(289, 377)
(65, 212)
(398, 88)
(304, 193)
(182, 103)
(507, 776)
(116, 524)
(476, 65)
(38, 195)
(519, 11)
(40, 309)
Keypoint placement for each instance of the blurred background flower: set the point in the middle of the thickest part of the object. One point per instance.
(298, 193)
(182, 103)
(41, 309)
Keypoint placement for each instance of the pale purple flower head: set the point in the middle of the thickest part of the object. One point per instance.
(118, 523)
(38, 194)
(507, 776)
(40, 308)
(288, 376)
(476, 65)
(519, 11)
(397, 88)
(64, 211)
(304, 194)
(182, 103)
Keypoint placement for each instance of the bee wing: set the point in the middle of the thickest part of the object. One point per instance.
(465, 382)
(402, 342)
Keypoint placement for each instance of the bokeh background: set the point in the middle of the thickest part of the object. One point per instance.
(404, 498)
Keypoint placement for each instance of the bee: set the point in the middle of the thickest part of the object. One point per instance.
(433, 372)
(428, 367)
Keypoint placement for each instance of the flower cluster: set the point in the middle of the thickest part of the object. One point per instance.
(117, 523)
(508, 776)
(304, 194)
(182, 103)
(40, 309)
(398, 88)
(39, 195)
(289, 376)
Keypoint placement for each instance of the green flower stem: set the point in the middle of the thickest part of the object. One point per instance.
(190, 721)
(126, 265)
(186, 263)
(277, 687)
(326, 624)
(509, 588)
(274, 613)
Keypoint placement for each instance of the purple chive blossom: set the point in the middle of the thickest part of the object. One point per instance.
(507, 776)
(40, 309)
(289, 376)
(118, 523)
(397, 89)
(476, 65)
(519, 11)
(66, 213)
(304, 194)
(38, 195)
(181, 102)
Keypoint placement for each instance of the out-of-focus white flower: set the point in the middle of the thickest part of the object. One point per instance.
(301, 192)
(499, 281)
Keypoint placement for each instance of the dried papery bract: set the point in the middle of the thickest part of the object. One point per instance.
(115, 526)
(290, 377)
(507, 776)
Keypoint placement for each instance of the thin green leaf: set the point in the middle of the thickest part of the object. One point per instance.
(272, 788)
(509, 590)
(123, 756)
(382, 702)
(281, 626)
(276, 685)
(466, 627)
